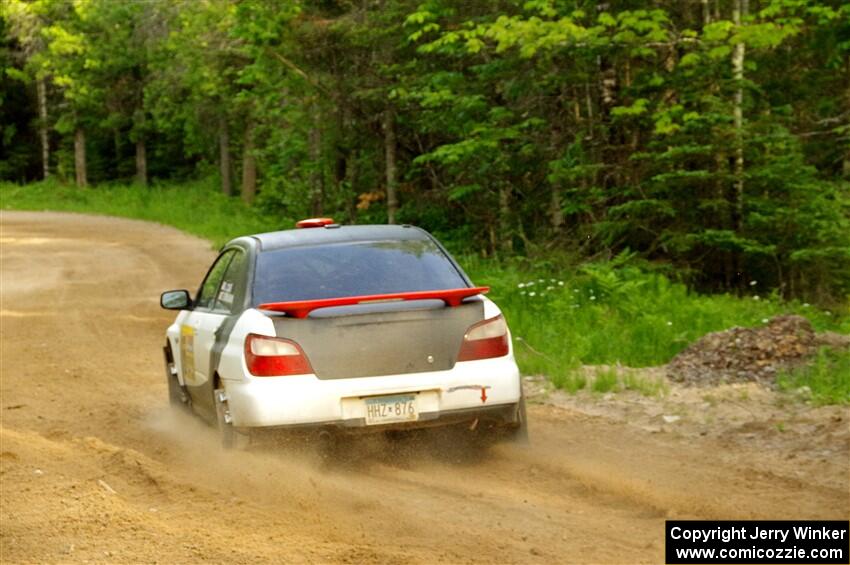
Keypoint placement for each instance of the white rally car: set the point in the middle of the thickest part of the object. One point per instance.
(341, 328)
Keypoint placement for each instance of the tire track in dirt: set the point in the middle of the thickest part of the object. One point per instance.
(83, 405)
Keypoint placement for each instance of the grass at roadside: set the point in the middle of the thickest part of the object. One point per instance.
(195, 207)
(611, 378)
(561, 317)
(827, 377)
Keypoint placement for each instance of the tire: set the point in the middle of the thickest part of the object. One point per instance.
(177, 397)
(519, 434)
(231, 438)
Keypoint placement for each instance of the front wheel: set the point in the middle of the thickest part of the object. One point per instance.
(231, 438)
(177, 396)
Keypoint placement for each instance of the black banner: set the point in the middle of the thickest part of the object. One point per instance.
(757, 541)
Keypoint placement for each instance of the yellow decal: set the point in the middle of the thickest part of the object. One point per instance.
(187, 354)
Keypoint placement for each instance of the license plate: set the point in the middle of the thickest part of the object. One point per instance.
(388, 409)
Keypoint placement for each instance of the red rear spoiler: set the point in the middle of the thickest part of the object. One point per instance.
(302, 308)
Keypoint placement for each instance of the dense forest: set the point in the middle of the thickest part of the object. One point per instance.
(710, 136)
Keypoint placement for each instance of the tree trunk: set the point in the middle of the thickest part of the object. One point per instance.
(80, 158)
(555, 211)
(556, 214)
(352, 171)
(141, 163)
(249, 167)
(41, 90)
(317, 178)
(506, 242)
(116, 144)
(224, 157)
(392, 170)
(342, 149)
(740, 11)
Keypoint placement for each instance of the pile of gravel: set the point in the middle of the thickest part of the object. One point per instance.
(749, 354)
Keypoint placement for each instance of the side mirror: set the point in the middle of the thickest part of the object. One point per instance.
(175, 300)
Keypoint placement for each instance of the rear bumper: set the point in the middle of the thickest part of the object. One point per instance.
(501, 416)
(488, 388)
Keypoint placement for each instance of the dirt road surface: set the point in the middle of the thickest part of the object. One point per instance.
(96, 468)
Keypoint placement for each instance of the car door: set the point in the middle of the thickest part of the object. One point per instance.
(230, 302)
(197, 337)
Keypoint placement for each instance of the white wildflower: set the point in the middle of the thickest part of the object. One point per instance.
(764, 320)
(550, 287)
(532, 293)
(669, 323)
(521, 285)
(560, 283)
(756, 297)
(592, 297)
(753, 283)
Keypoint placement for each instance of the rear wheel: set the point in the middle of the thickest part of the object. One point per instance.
(231, 438)
(519, 434)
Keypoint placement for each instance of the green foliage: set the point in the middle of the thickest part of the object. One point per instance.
(523, 128)
(827, 377)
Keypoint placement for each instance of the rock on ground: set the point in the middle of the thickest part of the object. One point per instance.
(750, 354)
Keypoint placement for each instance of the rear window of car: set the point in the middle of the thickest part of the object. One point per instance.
(352, 269)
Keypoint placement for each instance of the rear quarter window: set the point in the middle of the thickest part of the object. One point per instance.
(353, 269)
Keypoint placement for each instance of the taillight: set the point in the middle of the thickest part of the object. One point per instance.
(274, 356)
(485, 340)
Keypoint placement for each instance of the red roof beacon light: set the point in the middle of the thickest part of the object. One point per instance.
(314, 223)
